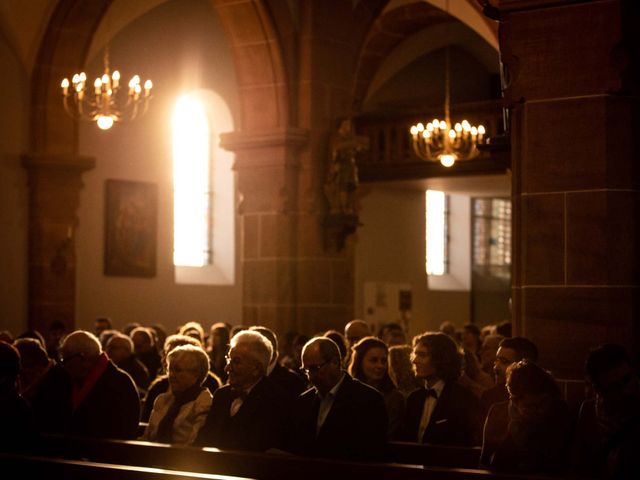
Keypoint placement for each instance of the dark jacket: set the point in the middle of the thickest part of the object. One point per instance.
(496, 394)
(258, 426)
(16, 418)
(50, 399)
(138, 372)
(605, 450)
(516, 445)
(110, 410)
(456, 419)
(355, 428)
(289, 381)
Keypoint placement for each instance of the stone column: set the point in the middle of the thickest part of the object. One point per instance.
(267, 169)
(570, 83)
(289, 282)
(54, 190)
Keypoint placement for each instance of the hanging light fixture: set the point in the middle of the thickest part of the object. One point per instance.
(101, 105)
(438, 141)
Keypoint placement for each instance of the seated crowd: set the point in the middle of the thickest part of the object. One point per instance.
(333, 395)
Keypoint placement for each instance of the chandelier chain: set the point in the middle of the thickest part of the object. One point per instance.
(439, 140)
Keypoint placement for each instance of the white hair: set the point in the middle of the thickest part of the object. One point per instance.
(259, 347)
(194, 352)
(122, 337)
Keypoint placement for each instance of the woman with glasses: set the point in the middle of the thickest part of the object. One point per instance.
(179, 413)
(161, 383)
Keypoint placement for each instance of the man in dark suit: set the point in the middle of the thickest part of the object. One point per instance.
(249, 413)
(290, 382)
(339, 417)
(445, 412)
(104, 399)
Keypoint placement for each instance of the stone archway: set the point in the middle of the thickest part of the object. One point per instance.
(54, 166)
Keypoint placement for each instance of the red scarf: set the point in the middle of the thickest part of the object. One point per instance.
(81, 391)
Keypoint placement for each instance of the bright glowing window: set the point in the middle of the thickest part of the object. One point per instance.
(192, 185)
(437, 235)
(204, 191)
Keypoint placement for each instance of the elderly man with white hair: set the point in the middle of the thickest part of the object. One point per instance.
(249, 412)
(105, 402)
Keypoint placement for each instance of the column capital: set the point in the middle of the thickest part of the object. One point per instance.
(242, 140)
(275, 146)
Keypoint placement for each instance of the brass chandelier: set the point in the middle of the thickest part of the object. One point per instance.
(438, 141)
(103, 105)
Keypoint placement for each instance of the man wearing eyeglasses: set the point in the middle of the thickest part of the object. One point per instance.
(249, 413)
(339, 417)
(104, 399)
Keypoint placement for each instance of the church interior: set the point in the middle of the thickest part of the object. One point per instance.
(309, 207)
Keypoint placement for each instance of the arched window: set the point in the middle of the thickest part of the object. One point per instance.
(191, 185)
(203, 203)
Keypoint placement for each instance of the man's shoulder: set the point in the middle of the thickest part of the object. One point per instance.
(115, 374)
(158, 385)
(268, 390)
(223, 392)
(357, 390)
(287, 376)
(460, 391)
(495, 394)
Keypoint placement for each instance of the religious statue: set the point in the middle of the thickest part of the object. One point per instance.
(342, 179)
(341, 185)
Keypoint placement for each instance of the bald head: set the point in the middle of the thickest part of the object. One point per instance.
(81, 342)
(355, 330)
(321, 361)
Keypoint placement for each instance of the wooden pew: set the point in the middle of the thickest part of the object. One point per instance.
(29, 466)
(434, 455)
(263, 466)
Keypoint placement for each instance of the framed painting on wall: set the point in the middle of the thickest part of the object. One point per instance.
(130, 228)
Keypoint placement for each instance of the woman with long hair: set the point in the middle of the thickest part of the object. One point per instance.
(369, 364)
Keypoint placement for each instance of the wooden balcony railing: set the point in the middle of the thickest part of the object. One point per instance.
(391, 156)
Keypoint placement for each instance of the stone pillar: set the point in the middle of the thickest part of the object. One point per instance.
(289, 283)
(267, 169)
(54, 190)
(570, 82)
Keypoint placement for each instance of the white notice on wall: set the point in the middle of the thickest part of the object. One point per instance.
(387, 302)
